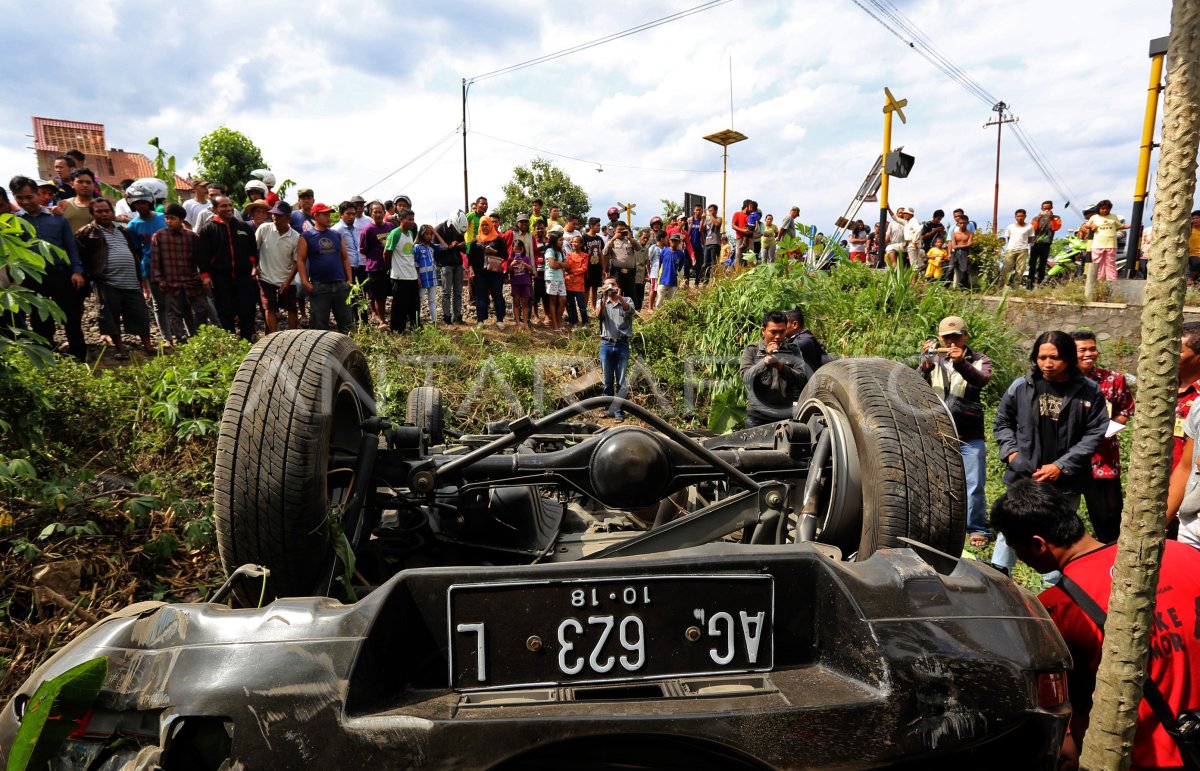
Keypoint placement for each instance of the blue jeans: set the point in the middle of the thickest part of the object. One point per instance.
(974, 455)
(576, 307)
(614, 359)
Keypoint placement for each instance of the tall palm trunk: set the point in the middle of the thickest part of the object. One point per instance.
(1135, 578)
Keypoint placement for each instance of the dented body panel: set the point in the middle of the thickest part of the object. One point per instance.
(889, 662)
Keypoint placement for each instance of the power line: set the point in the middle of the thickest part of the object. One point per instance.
(598, 41)
(422, 154)
(432, 163)
(593, 163)
(893, 20)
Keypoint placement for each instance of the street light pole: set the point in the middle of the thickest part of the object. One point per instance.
(725, 139)
(999, 122)
(466, 195)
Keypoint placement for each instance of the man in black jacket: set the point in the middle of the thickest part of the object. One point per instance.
(226, 255)
(958, 374)
(806, 343)
(1049, 424)
(773, 373)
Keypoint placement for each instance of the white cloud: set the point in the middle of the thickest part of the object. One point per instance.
(338, 95)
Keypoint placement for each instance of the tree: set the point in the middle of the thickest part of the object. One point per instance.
(226, 158)
(541, 179)
(671, 209)
(1118, 691)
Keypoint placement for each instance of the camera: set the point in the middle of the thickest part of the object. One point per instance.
(610, 290)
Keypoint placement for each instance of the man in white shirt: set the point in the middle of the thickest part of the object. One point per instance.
(1018, 237)
(278, 244)
(198, 203)
(912, 238)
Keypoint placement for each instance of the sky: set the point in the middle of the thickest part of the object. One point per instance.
(341, 95)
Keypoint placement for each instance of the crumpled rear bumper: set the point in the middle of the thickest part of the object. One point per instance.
(882, 663)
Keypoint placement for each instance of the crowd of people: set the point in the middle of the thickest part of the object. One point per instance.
(1055, 431)
(271, 262)
(939, 249)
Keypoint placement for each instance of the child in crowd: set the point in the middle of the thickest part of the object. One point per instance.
(935, 258)
(752, 219)
(576, 279)
(540, 242)
(520, 277)
(427, 272)
(173, 266)
(556, 287)
(658, 243)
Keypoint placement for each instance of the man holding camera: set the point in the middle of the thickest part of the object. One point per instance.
(615, 311)
(773, 373)
(958, 375)
(619, 256)
(1043, 529)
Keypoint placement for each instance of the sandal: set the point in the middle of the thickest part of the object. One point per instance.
(978, 540)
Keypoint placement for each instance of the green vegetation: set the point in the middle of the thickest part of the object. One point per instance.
(854, 310)
(226, 158)
(541, 179)
(113, 466)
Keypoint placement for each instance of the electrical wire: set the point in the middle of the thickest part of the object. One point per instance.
(893, 20)
(452, 133)
(432, 163)
(593, 163)
(599, 41)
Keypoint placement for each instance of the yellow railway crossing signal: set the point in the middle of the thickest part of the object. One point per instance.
(894, 105)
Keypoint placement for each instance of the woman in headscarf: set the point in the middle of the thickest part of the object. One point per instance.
(489, 263)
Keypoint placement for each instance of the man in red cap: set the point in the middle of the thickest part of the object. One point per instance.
(324, 268)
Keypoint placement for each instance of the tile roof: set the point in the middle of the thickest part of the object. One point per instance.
(56, 135)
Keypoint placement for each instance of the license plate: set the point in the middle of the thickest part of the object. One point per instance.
(559, 632)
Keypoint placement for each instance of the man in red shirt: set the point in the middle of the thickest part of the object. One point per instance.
(1104, 499)
(1042, 529)
(741, 230)
(1189, 383)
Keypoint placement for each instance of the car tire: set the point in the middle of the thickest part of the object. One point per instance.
(896, 445)
(297, 401)
(424, 410)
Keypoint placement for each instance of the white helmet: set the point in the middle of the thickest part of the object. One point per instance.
(258, 185)
(139, 192)
(458, 222)
(396, 199)
(156, 188)
(265, 175)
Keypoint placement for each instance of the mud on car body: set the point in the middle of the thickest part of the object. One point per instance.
(553, 593)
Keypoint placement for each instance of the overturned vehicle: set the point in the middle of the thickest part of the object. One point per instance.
(554, 594)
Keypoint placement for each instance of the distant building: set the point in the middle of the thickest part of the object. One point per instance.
(52, 137)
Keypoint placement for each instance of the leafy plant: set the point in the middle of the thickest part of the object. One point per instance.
(164, 169)
(53, 712)
(23, 258)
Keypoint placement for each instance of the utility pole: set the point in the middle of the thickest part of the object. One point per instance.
(466, 194)
(999, 122)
